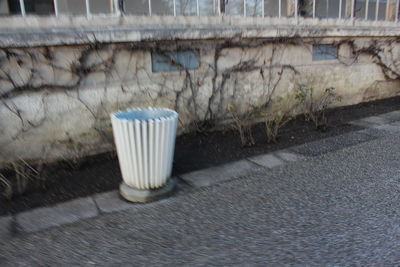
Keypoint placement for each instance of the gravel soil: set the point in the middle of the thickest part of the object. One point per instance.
(63, 181)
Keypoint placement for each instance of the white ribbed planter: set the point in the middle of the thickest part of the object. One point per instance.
(145, 141)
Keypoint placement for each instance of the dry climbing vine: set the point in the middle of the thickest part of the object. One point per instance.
(201, 95)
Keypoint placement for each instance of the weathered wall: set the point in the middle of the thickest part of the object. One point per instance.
(56, 101)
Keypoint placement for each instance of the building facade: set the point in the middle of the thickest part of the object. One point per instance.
(65, 65)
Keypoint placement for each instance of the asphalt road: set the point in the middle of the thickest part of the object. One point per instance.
(337, 209)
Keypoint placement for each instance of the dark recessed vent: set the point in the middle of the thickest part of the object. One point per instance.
(324, 52)
(174, 60)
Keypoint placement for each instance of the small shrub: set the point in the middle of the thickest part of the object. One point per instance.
(314, 106)
(242, 123)
(275, 116)
(20, 175)
(6, 187)
(273, 124)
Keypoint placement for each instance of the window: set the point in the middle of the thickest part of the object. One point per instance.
(137, 7)
(234, 7)
(361, 11)
(166, 7)
(344, 9)
(39, 7)
(208, 7)
(254, 8)
(271, 8)
(186, 7)
(326, 8)
(324, 52)
(8, 7)
(71, 7)
(101, 6)
(62, 7)
(177, 60)
(162, 7)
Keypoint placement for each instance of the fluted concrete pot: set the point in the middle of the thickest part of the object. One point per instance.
(145, 142)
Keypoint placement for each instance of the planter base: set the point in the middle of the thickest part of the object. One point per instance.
(135, 195)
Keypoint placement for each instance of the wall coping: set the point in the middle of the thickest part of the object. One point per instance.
(33, 31)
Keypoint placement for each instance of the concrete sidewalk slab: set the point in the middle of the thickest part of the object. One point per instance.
(68, 212)
(370, 122)
(267, 160)
(379, 120)
(391, 116)
(392, 127)
(111, 201)
(363, 124)
(218, 174)
(334, 143)
(288, 156)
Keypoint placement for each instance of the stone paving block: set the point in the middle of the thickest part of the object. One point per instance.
(288, 156)
(379, 120)
(5, 227)
(312, 149)
(389, 127)
(68, 212)
(267, 160)
(111, 201)
(372, 121)
(362, 123)
(218, 174)
(334, 143)
(391, 116)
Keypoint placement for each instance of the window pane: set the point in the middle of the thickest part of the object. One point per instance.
(381, 9)
(101, 6)
(320, 8)
(360, 6)
(327, 8)
(162, 7)
(137, 7)
(72, 7)
(333, 8)
(254, 8)
(39, 7)
(186, 7)
(371, 10)
(286, 8)
(208, 7)
(234, 7)
(359, 9)
(391, 10)
(306, 8)
(271, 8)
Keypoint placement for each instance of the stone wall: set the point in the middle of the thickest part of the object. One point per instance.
(56, 100)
